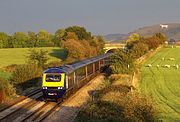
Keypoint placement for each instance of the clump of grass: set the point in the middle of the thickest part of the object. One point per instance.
(5, 75)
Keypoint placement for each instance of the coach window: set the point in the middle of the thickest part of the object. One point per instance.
(81, 73)
(90, 69)
(70, 80)
(96, 66)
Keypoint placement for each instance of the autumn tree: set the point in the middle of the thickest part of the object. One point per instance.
(161, 38)
(152, 43)
(139, 49)
(74, 48)
(80, 32)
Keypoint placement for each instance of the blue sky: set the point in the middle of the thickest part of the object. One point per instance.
(97, 16)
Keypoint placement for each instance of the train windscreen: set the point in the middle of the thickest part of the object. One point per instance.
(53, 78)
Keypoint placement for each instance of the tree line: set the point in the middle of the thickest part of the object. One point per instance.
(73, 38)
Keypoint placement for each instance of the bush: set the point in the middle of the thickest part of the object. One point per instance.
(6, 89)
(26, 75)
(37, 57)
(138, 108)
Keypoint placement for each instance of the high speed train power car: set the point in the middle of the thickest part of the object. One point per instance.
(59, 81)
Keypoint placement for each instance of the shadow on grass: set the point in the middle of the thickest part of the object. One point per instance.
(59, 53)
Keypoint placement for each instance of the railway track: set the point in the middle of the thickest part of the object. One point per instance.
(27, 109)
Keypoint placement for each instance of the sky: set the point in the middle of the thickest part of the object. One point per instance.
(97, 16)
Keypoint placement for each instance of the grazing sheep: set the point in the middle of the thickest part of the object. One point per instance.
(177, 66)
(171, 59)
(163, 58)
(149, 65)
(167, 66)
(157, 66)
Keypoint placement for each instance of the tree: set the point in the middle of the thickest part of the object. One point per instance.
(138, 50)
(44, 39)
(122, 62)
(32, 39)
(75, 49)
(80, 32)
(132, 39)
(152, 43)
(19, 39)
(3, 40)
(59, 36)
(98, 43)
(38, 57)
(161, 38)
(71, 35)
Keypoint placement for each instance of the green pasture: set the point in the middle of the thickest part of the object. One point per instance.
(18, 55)
(163, 83)
(9, 56)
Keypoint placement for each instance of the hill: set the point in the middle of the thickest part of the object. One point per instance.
(114, 38)
(173, 32)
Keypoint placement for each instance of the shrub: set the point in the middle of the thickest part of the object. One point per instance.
(26, 75)
(138, 108)
(37, 57)
(6, 89)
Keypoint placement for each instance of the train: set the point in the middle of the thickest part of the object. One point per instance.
(57, 82)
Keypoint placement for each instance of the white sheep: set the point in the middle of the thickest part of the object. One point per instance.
(149, 65)
(171, 59)
(177, 66)
(168, 66)
(163, 58)
(157, 66)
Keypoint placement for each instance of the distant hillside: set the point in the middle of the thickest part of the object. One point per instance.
(173, 32)
(114, 38)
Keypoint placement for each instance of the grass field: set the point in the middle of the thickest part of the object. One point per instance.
(18, 55)
(163, 83)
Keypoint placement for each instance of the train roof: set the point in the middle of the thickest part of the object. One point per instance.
(77, 65)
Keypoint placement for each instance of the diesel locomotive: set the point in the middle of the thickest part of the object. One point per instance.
(59, 81)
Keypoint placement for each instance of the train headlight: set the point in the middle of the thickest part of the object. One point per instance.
(60, 87)
(44, 87)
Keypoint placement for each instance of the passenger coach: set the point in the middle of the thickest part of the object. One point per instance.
(58, 81)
